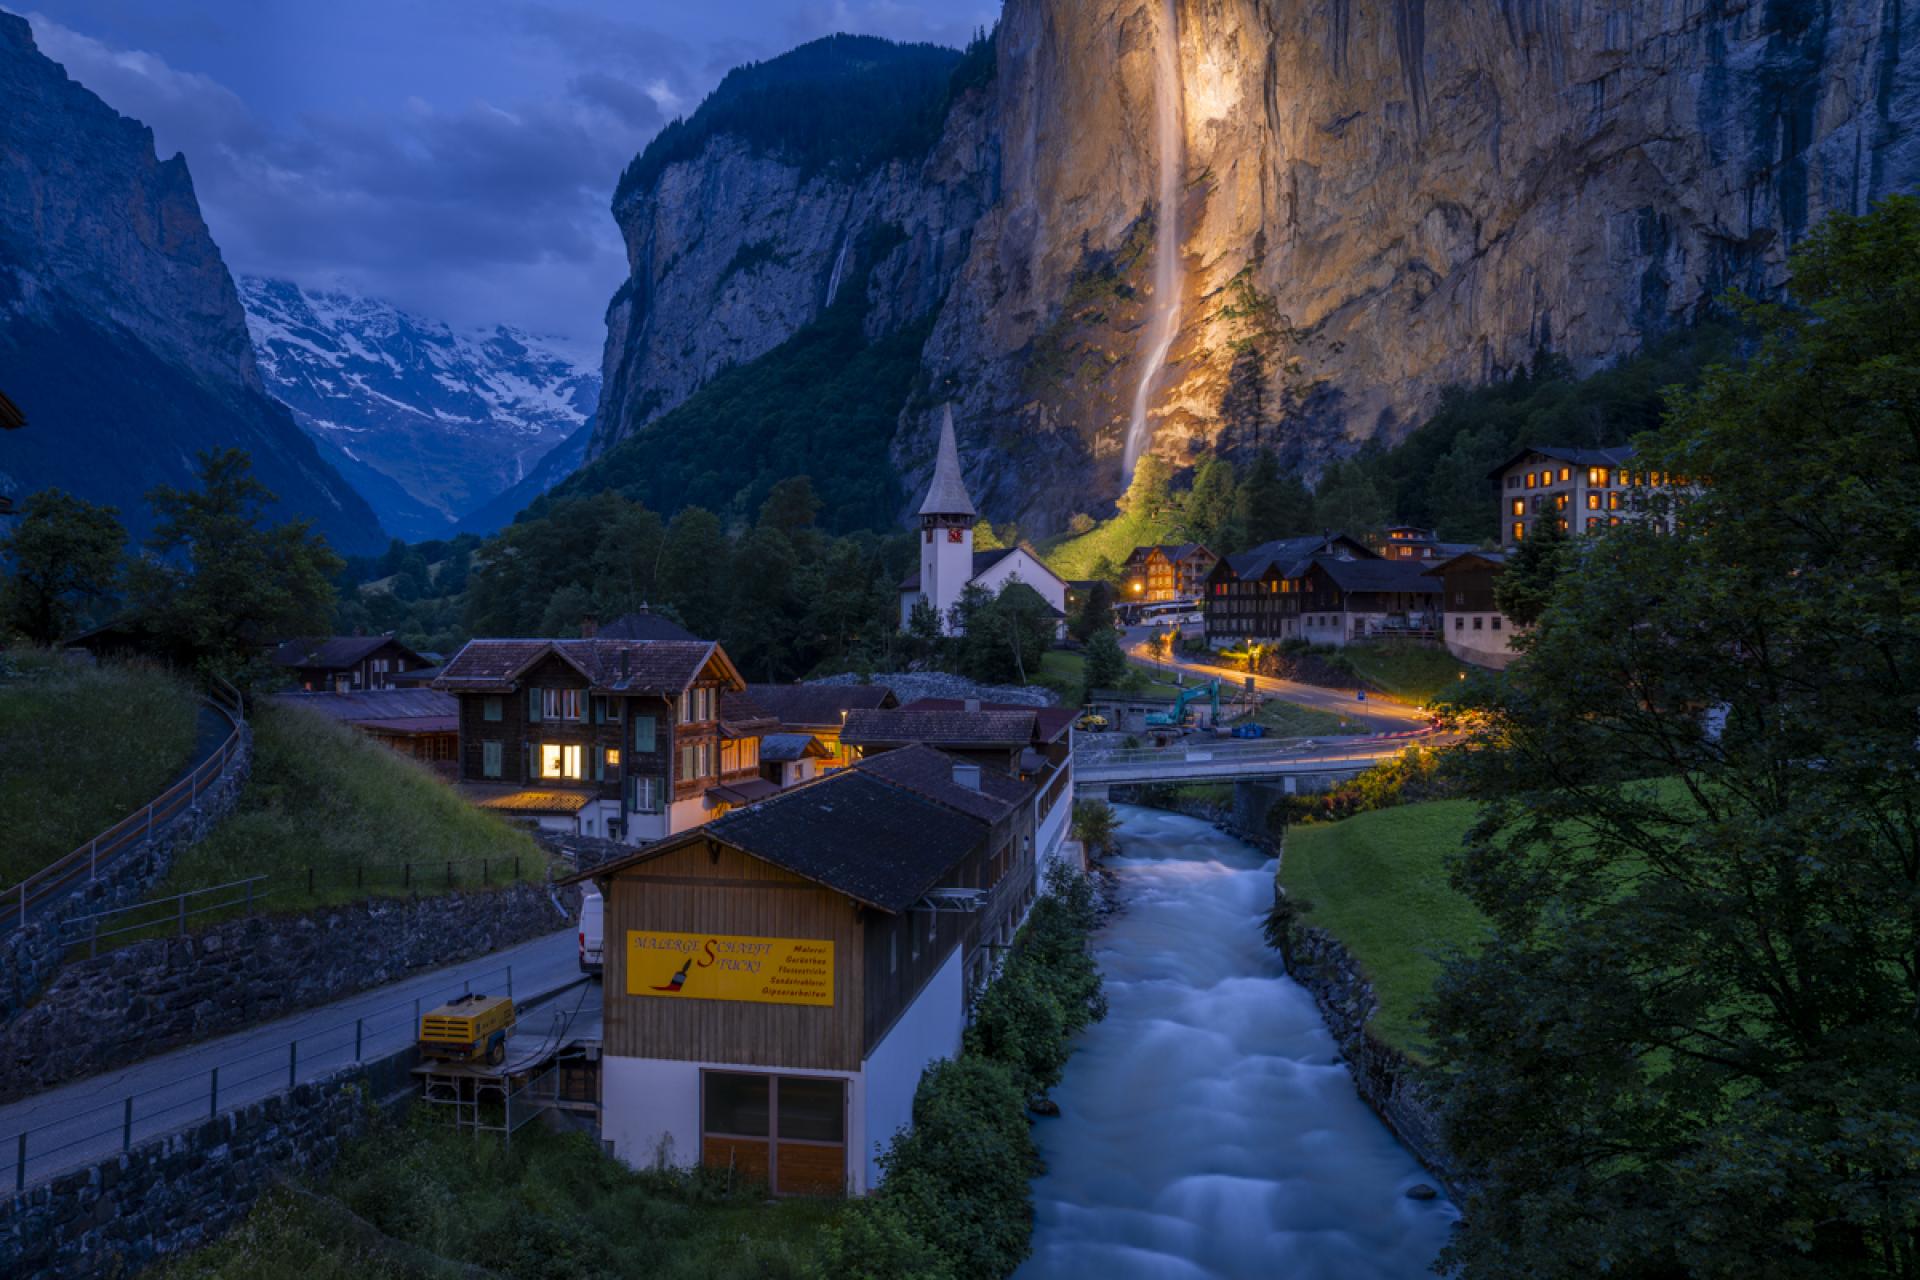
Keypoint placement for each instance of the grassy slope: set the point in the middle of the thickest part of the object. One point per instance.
(419, 1200)
(1415, 672)
(1291, 720)
(1378, 882)
(1074, 557)
(80, 749)
(324, 796)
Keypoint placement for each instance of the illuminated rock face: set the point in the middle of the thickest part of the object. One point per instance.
(1382, 197)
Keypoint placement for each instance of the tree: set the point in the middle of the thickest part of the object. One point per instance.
(66, 559)
(791, 506)
(1525, 586)
(1147, 496)
(1095, 613)
(923, 629)
(1690, 1045)
(223, 583)
(1080, 524)
(1348, 502)
(694, 551)
(1210, 505)
(1269, 504)
(1003, 637)
(985, 539)
(1106, 664)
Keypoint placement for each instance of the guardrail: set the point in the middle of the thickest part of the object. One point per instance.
(83, 1137)
(84, 863)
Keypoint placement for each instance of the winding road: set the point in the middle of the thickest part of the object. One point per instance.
(1377, 713)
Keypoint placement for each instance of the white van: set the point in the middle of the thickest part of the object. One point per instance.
(592, 932)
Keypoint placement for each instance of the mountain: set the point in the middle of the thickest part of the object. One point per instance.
(121, 334)
(1240, 223)
(560, 462)
(433, 423)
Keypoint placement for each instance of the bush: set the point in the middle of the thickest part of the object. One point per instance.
(1410, 778)
(1093, 826)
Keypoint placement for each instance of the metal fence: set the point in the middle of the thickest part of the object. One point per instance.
(86, 862)
(96, 1132)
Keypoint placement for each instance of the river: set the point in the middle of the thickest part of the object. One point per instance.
(1208, 1128)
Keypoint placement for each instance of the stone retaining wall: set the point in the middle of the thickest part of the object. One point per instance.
(183, 1190)
(153, 996)
(31, 956)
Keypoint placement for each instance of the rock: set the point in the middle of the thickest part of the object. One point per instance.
(1044, 1107)
(1422, 1191)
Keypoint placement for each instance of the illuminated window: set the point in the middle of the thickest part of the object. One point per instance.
(1593, 501)
(1620, 478)
(1560, 504)
(1563, 526)
(558, 760)
(1566, 474)
(1593, 522)
(1519, 530)
(1597, 476)
(1519, 506)
(1613, 500)
(1612, 520)
(1531, 477)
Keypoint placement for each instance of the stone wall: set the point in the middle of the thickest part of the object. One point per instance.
(153, 996)
(183, 1190)
(1384, 1077)
(31, 956)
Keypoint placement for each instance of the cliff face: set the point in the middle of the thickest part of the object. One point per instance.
(121, 332)
(1381, 197)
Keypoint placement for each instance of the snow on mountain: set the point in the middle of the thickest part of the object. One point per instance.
(448, 420)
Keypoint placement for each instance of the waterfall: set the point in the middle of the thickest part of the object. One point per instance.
(839, 269)
(1163, 314)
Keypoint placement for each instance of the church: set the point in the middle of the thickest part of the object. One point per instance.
(948, 562)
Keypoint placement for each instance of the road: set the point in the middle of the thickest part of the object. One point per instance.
(73, 1125)
(1210, 760)
(1378, 713)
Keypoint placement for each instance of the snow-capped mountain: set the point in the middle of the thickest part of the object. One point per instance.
(430, 424)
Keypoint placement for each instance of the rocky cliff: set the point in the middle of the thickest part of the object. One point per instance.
(1379, 198)
(121, 333)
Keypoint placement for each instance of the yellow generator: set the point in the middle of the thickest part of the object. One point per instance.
(472, 1028)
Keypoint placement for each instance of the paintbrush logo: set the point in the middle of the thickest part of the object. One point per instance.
(678, 980)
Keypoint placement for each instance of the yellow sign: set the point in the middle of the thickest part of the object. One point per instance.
(705, 966)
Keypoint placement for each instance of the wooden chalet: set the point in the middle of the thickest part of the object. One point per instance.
(1256, 597)
(341, 664)
(777, 980)
(820, 710)
(631, 740)
(1474, 628)
(1168, 571)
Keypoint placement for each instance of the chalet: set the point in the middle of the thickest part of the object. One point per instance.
(423, 724)
(1411, 542)
(1586, 490)
(1166, 572)
(948, 562)
(633, 740)
(1034, 744)
(344, 663)
(1470, 620)
(1343, 601)
(819, 710)
(789, 759)
(1255, 597)
(777, 980)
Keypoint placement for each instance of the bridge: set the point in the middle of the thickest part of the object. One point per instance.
(1295, 761)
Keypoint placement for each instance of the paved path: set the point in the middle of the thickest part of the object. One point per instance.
(73, 1125)
(1378, 713)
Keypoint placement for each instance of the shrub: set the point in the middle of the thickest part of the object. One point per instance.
(1093, 826)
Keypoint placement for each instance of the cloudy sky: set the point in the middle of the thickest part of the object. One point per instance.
(454, 156)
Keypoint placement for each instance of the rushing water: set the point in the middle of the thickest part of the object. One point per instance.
(1163, 315)
(1207, 1127)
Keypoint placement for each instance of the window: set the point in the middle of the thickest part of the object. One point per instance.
(1563, 526)
(1597, 476)
(1476, 624)
(643, 730)
(696, 706)
(606, 710)
(1531, 480)
(1566, 474)
(645, 792)
(606, 764)
(1519, 506)
(1519, 530)
(1593, 522)
(1613, 501)
(492, 707)
(1494, 622)
(1593, 501)
(560, 760)
(560, 704)
(1459, 623)
(490, 759)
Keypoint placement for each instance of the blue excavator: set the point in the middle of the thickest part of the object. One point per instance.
(1173, 719)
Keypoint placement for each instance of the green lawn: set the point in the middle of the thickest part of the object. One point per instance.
(1378, 882)
(80, 749)
(1065, 673)
(417, 1199)
(1291, 720)
(1417, 673)
(1075, 556)
(367, 821)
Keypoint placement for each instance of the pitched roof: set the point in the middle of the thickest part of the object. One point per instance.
(662, 667)
(929, 773)
(1492, 559)
(11, 419)
(742, 717)
(1048, 722)
(1376, 575)
(780, 748)
(643, 625)
(386, 705)
(982, 561)
(878, 844)
(1288, 555)
(333, 653)
(1616, 456)
(819, 705)
(947, 493)
(939, 728)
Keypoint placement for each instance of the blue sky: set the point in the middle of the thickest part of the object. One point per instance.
(455, 158)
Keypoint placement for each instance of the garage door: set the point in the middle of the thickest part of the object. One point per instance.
(789, 1132)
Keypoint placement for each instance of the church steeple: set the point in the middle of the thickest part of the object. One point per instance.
(947, 495)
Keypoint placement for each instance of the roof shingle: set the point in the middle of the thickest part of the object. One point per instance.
(939, 728)
(818, 706)
(663, 667)
(930, 774)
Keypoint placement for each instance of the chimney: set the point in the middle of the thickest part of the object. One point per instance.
(972, 704)
(966, 775)
(589, 627)
(625, 654)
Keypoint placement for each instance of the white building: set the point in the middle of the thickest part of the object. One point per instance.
(948, 562)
